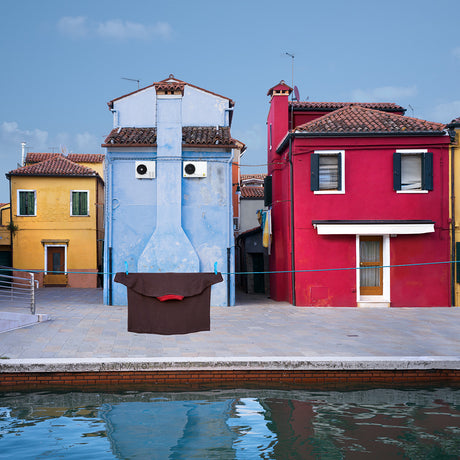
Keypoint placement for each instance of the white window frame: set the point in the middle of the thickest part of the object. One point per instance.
(19, 203)
(386, 294)
(46, 256)
(412, 152)
(87, 203)
(342, 172)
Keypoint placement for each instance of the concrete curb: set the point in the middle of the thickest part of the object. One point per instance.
(230, 363)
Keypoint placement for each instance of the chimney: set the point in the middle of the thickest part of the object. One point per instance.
(278, 118)
(23, 156)
(169, 249)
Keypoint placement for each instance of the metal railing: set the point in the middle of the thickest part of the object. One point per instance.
(17, 291)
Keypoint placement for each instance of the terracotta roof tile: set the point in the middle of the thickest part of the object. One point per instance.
(86, 157)
(329, 106)
(356, 119)
(169, 86)
(191, 135)
(36, 157)
(252, 192)
(247, 177)
(56, 166)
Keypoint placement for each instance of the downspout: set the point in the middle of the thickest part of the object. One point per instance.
(291, 186)
(11, 222)
(108, 192)
(452, 204)
(230, 238)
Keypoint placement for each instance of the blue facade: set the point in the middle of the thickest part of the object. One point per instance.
(169, 223)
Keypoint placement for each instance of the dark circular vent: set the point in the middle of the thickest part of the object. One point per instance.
(141, 169)
(190, 168)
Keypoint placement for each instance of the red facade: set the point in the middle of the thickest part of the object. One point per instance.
(357, 191)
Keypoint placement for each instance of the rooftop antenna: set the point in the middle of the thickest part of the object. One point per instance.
(292, 71)
(410, 107)
(131, 79)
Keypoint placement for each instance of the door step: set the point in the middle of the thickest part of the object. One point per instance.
(368, 304)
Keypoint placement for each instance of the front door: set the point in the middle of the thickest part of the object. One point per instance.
(370, 263)
(55, 262)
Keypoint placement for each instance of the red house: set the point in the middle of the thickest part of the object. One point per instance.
(360, 205)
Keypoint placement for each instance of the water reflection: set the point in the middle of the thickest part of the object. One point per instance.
(238, 424)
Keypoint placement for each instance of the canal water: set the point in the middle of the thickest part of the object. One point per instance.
(422, 423)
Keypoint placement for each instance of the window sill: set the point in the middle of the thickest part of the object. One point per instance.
(411, 191)
(329, 192)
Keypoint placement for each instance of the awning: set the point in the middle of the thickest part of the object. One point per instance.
(373, 227)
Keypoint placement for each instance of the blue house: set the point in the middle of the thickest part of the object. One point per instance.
(169, 185)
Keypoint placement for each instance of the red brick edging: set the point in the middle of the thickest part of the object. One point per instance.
(200, 379)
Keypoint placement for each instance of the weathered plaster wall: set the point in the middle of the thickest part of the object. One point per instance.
(248, 217)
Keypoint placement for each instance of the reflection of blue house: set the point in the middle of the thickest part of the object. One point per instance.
(168, 186)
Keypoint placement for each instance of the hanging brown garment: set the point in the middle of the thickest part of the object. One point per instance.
(168, 303)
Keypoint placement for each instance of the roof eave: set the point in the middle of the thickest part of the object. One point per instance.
(283, 144)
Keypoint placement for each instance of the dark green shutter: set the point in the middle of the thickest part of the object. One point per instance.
(79, 203)
(83, 204)
(396, 171)
(22, 203)
(26, 203)
(74, 203)
(268, 191)
(314, 172)
(427, 171)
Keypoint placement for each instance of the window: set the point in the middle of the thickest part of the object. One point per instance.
(412, 171)
(327, 171)
(26, 203)
(79, 203)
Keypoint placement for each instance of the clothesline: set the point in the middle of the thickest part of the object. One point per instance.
(309, 270)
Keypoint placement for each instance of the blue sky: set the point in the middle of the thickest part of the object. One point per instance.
(62, 61)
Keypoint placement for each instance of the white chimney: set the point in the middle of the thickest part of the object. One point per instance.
(23, 153)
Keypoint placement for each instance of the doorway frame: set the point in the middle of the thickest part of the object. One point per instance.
(46, 256)
(386, 292)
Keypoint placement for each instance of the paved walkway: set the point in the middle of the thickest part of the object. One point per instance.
(81, 327)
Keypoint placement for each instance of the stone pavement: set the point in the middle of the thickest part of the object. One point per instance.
(82, 328)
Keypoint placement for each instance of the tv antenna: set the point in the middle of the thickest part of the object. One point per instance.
(131, 79)
(412, 109)
(292, 70)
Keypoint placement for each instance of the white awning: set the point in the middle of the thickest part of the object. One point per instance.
(408, 228)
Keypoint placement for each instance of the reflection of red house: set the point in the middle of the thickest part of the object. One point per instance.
(357, 186)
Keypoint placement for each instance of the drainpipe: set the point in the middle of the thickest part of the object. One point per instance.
(291, 185)
(452, 204)
(230, 238)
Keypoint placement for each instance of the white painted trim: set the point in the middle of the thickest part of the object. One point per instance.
(373, 229)
(342, 172)
(18, 203)
(409, 151)
(386, 296)
(46, 255)
(411, 191)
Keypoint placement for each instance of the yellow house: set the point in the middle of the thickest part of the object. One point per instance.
(57, 209)
(5, 235)
(454, 131)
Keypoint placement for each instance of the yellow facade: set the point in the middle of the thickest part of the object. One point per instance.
(53, 226)
(5, 234)
(455, 200)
